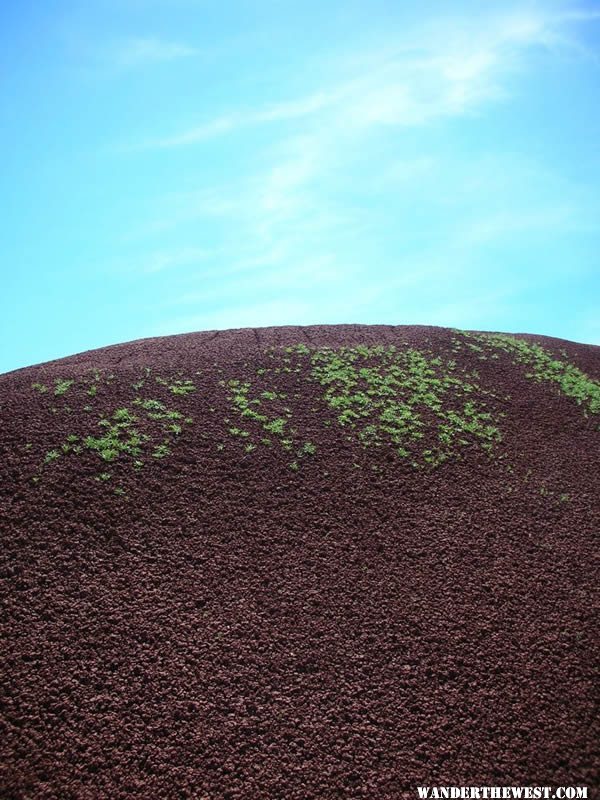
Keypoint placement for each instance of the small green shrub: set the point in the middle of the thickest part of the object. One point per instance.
(181, 387)
(150, 404)
(123, 415)
(275, 426)
(62, 386)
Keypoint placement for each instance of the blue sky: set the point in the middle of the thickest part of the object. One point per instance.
(183, 165)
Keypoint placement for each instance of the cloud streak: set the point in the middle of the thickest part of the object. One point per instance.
(447, 72)
(312, 211)
(136, 52)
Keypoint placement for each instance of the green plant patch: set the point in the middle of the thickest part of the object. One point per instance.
(542, 366)
(390, 396)
(378, 395)
(147, 426)
(254, 409)
(119, 437)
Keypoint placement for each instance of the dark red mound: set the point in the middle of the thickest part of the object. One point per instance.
(214, 624)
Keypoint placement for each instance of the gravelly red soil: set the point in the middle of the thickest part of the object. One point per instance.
(228, 628)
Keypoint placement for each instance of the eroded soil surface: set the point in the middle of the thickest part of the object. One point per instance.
(322, 562)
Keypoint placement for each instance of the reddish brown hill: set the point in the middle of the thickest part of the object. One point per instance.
(300, 563)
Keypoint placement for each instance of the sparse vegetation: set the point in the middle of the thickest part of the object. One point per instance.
(119, 437)
(541, 366)
(127, 431)
(396, 396)
(426, 408)
(379, 394)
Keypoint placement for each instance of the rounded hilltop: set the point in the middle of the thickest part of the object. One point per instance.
(301, 562)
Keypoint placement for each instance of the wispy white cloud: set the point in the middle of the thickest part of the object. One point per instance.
(292, 230)
(226, 123)
(401, 171)
(169, 259)
(199, 133)
(580, 15)
(407, 95)
(304, 308)
(133, 52)
(154, 262)
(506, 225)
(267, 278)
(447, 71)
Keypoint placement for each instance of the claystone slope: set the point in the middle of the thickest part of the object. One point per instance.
(322, 562)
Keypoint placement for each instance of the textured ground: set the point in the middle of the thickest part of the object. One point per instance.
(231, 619)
